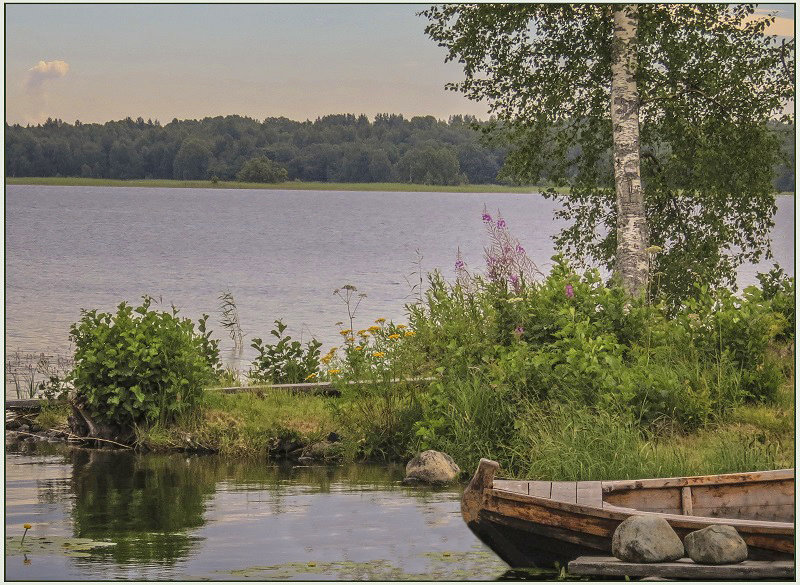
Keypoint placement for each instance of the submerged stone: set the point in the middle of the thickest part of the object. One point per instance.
(431, 467)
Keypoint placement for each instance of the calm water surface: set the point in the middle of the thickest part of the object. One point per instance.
(182, 517)
(281, 253)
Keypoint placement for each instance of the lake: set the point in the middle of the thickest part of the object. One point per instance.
(280, 253)
(99, 515)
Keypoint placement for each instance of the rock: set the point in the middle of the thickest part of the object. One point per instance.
(24, 428)
(305, 460)
(716, 545)
(431, 467)
(646, 539)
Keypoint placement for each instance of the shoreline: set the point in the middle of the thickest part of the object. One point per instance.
(287, 185)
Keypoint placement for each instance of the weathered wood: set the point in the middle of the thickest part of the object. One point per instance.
(520, 487)
(23, 404)
(772, 500)
(539, 489)
(590, 493)
(564, 491)
(686, 500)
(664, 500)
(662, 482)
(681, 569)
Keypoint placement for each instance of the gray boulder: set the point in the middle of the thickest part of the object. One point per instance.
(646, 539)
(431, 467)
(716, 545)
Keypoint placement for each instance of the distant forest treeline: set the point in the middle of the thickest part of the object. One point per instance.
(335, 148)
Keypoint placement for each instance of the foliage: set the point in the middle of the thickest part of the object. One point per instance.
(778, 289)
(711, 83)
(262, 170)
(337, 148)
(230, 319)
(140, 366)
(284, 362)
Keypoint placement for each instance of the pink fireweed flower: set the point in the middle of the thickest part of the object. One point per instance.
(486, 217)
(518, 331)
(501, 223)
(569, 291)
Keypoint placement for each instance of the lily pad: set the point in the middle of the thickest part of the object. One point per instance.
(53, 545)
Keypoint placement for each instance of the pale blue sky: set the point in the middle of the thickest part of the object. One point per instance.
(191, 61)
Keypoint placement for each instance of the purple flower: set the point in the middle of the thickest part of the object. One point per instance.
(520, 249)
(518, 331)
(487, 218)
(459, 264)
(501, 223)
(569, 291)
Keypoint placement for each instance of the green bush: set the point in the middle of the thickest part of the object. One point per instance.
(285, 362)
(140, 366)
(262, 170)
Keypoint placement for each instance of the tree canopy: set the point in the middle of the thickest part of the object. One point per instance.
(711, 84)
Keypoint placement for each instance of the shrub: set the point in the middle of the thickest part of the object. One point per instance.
(262, 170)
(140, 366)
(285, 362)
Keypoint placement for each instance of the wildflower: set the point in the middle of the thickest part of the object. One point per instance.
(380, 321)
(410, 333)
(520, 249)
(363, 332)
(518, 331)
(486, 217)
(349, 339)
(401, 326)
(334, 371)
(326, 359)
(27, 527)
(569, 291)
(374, 328)
(378, 354)
(394, 336)
(459, 264)
(311, 376)
(501, 223)
(345, 331)
(358, 348)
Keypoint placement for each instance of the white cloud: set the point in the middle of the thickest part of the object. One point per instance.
(43, 71)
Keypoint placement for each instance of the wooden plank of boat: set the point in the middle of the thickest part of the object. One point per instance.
(681, 569)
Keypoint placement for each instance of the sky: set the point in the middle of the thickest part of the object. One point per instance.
(96, 63)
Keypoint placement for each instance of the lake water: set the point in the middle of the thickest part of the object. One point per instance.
(281, 253)
(99, 515)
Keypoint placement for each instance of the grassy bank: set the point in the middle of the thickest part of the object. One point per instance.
(289, 185)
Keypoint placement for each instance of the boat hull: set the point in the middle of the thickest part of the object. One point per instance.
(528, 531)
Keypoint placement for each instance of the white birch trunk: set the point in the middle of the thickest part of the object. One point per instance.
(631, 260)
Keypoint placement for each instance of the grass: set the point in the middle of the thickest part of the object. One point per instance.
(289, 185)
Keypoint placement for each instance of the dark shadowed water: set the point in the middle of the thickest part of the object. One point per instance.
(281, 253)
(99, 515)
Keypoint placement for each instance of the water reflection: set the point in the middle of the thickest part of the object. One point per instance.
(145, 504)
(198, 517)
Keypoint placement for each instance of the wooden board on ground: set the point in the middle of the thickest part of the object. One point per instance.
(682, 569)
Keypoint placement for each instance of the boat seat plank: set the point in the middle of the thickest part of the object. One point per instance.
(564, 491)
(519, 487)
(590, 493)
(540, 489)
(682, 569)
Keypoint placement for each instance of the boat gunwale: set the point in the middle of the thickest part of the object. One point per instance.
(612, 512)
(698, 480)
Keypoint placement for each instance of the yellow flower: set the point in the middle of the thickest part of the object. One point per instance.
(334, 371)
(380, 321)
(311, 376)
(326, 359)
(410, 333)
(362, 331)
(345, 331)
(401, 326)
(27, 526)
(374, 328)
(358, 348)
(349, 339)
(378, 354)
(394, 336)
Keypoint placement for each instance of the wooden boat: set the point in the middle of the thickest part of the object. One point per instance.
(537, 523)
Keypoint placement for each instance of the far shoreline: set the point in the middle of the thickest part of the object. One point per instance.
(287, 185)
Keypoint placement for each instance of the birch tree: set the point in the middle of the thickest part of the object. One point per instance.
(657, 117)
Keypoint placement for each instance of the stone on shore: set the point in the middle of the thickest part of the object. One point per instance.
(646, 539)
(716, 545)
(431, 467)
